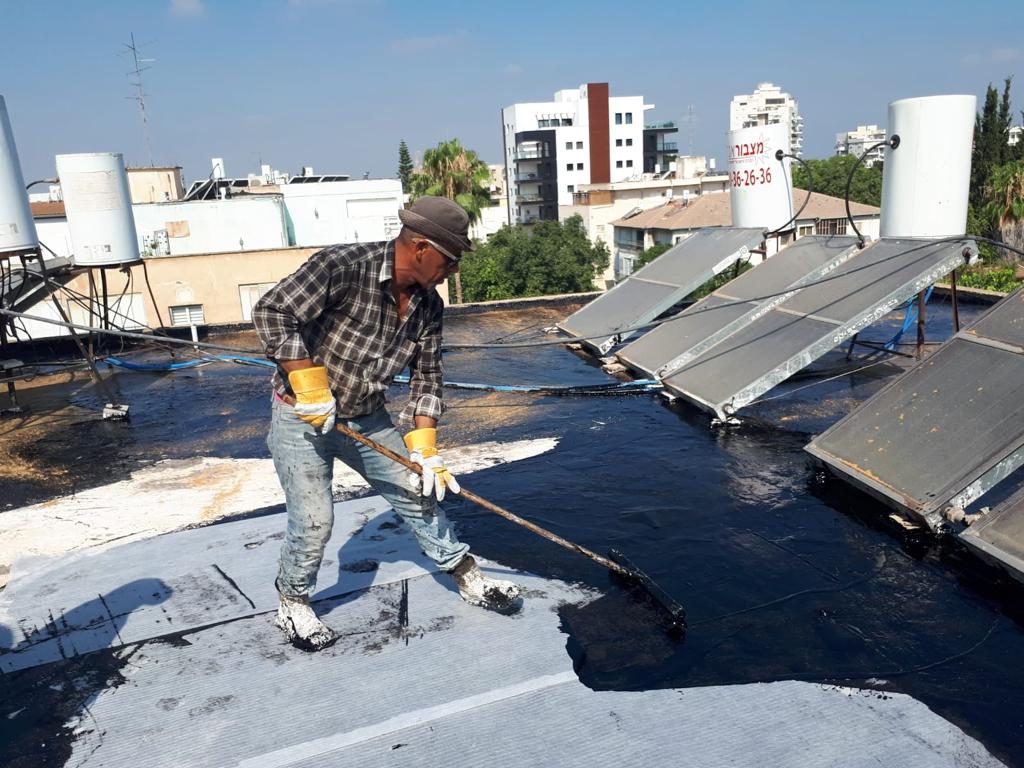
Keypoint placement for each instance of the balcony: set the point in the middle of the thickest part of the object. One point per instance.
(531, 154)
(532, 197)
(668, 146)
(528, 176)
(665, 125)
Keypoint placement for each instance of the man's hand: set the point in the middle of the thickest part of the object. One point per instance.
(314, 402)
(422, 445)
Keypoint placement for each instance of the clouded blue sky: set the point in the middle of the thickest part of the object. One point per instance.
(337, 83)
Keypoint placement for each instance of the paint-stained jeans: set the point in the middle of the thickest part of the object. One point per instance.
(304, 460)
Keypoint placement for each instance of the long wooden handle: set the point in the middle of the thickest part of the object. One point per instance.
(492, 507)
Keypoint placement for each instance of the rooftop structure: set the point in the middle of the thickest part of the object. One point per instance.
(768, 105)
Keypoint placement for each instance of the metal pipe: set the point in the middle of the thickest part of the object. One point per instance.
(956, 304)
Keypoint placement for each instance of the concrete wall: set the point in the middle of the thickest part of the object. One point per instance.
(342, 211)
(243, 223)
(155, 185)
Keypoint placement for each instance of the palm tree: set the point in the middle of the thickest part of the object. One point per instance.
(450, 170)
(1005, 206)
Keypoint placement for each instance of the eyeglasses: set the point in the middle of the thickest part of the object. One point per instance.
(443, 251)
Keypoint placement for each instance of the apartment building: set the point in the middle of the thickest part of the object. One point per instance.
(862, 140)
(769, 105)
(583, 136)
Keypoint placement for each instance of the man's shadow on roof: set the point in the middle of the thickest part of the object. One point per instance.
(52, 673)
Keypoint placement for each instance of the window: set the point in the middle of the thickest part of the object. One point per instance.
(830, 227)
(579, 145)
(805, 229)
(629, 163)
(579, 166)
(618, 118)
(568, 145)
(566, 121)
(629, 142)
(568, 166)
(618, 163)
(249, 294)
(618, 142)
(629, 118)
(187, 314)
(571, 188)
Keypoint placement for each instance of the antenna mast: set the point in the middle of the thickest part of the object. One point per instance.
(691, 121)
(140, 95)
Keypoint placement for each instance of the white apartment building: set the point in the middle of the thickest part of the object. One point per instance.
(857, 142)
(583, 136)
(1013, 136)
(769, 105)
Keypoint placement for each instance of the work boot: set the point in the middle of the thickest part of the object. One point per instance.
(301, 626)
(478, 589)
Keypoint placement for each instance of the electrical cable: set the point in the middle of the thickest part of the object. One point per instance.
(892, 142)
(780, 155)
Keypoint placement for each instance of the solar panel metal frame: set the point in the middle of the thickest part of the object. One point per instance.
(970, 484)
(730, 296)
(979, 536)
(696, 248)
(957, 253)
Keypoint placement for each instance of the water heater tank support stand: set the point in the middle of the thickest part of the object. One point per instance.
(112, 410)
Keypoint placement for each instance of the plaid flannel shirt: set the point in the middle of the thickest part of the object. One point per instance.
(338, 310)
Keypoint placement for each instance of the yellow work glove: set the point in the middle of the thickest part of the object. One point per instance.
(422, 445)
(314, 402)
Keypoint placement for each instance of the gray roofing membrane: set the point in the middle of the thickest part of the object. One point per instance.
(726, 310)
(791, 335)
(656, 287)
(949, 429)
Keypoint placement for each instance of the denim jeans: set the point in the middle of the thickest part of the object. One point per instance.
(304, 460)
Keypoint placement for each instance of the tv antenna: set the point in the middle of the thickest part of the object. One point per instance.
(691, 125)
(140, 94)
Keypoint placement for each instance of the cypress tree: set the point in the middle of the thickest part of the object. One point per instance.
(404, 166)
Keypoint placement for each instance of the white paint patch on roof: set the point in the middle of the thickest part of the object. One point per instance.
(176, 494)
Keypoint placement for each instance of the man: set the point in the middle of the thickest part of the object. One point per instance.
(340, 329)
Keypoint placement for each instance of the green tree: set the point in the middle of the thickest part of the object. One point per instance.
(649, 255)
(546, 258)
(1003, 212)
(991, 126)
(405, 167)
(450, 170)
(829, 177)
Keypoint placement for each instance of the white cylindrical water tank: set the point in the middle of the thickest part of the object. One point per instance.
(926, 178)
(761, 186)
(99, 209)
(17, 229)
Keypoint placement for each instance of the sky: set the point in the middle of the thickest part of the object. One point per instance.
(337, 84)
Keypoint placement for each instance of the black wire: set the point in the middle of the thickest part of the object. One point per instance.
(779, 155)
(893, 142)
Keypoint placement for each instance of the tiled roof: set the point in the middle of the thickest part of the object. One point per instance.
(48, 210)
(715, 210)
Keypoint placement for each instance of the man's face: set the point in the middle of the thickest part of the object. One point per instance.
(433, 266)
